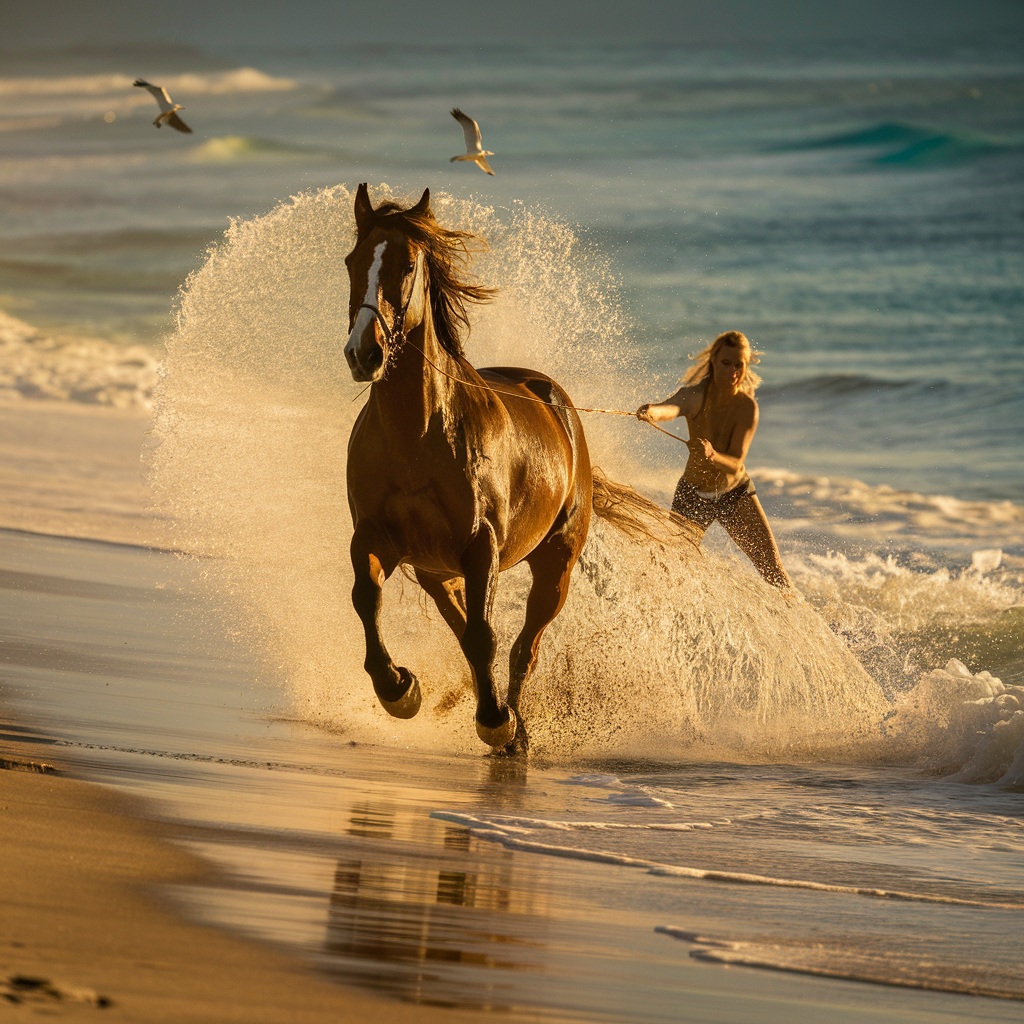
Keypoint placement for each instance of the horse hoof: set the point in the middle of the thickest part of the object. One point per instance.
(409, 703)
(520, 745)
(518, 748)
(501, 735)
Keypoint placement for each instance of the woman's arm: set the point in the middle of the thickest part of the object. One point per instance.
(679, 404)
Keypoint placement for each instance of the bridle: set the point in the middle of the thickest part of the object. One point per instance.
(395, 333)
(396, 336)
(397, 328)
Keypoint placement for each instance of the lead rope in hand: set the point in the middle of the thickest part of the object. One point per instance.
(539, 401)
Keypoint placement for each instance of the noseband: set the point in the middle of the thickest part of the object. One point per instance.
(395, 334)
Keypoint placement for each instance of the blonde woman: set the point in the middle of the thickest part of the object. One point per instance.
(717, 399)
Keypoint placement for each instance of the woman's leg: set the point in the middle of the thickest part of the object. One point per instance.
(698, 513)
(748, 526)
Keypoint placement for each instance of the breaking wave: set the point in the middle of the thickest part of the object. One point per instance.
(213, 83)
(832, 385)
(851, 508)
(237, 148)
(911, 145)
(88, 370)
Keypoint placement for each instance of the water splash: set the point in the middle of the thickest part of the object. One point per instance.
(657, 652)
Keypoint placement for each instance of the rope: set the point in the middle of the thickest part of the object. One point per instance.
(539, 401)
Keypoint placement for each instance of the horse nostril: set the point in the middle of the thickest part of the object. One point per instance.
(375, 358)
(351, 357)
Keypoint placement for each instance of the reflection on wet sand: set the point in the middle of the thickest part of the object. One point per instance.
(425, 932)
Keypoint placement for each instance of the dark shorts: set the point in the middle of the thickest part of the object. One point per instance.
(704, 511)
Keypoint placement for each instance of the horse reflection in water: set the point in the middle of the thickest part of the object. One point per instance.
(429, 931)
(457, 472)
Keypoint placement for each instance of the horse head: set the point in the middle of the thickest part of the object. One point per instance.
(387, 279)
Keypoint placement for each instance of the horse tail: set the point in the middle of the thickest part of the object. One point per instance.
(638, 517)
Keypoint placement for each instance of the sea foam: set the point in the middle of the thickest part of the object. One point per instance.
(834, 959)
(496, 834)
(192, 83)
(89, 370)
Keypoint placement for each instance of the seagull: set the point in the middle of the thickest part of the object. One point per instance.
(474, 151)
(168, 110)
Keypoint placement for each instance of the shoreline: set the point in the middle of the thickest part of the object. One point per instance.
(84, 926)
(85, 539)
(82, 913)
(73, 470)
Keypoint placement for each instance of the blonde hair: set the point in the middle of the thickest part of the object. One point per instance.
(701, 370)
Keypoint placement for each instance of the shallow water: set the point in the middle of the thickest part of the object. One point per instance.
(467, 881)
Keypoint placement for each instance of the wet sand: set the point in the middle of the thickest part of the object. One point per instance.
(83, 868)
(344, 854)
(84, 930)
(72, 470)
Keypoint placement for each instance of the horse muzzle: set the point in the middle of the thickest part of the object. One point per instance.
(365, 355)
(368, 369)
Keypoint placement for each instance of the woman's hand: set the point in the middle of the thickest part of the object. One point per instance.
(702, 446)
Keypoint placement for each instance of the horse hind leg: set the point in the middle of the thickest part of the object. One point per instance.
(397, 689)
(551, 565)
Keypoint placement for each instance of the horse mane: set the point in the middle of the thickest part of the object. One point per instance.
(447, 253)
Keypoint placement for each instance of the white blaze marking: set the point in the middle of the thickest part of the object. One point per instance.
(371, 278)
(364, 317)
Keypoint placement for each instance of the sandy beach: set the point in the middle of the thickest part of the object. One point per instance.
(84, 927)
(73, 470)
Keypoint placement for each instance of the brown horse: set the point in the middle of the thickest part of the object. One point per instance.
(457, 472)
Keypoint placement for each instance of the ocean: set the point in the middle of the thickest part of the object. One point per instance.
(828, 788)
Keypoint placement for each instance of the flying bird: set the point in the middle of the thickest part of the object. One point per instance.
(168, 110)
(474, 151)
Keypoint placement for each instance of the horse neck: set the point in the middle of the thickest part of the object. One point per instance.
(417, 386)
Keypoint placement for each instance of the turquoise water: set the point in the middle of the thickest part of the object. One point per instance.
(858, 214)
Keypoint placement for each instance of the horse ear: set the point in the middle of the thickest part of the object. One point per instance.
(363, 210)
(423, 206)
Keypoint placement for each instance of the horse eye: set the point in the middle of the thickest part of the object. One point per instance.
(409, 269)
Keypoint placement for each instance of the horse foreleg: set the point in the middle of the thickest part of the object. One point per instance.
(495, 723)
(397, 689)
(551, 564)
